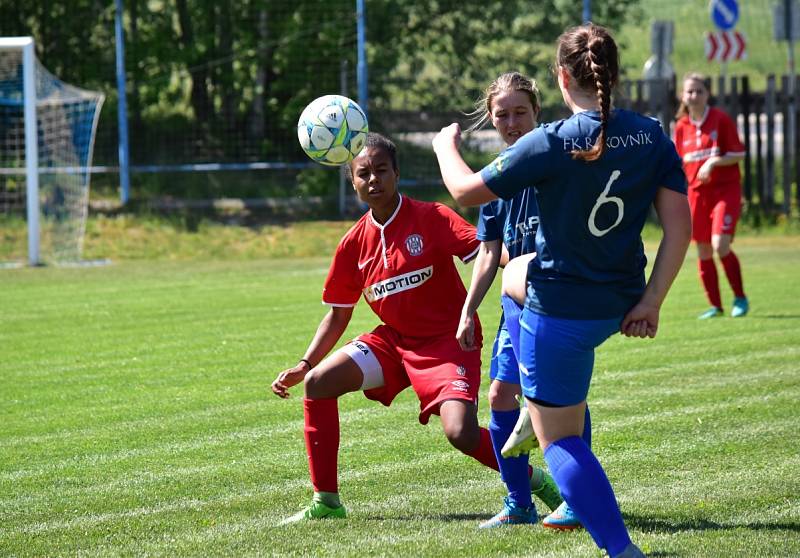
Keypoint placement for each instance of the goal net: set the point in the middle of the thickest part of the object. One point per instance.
(47, 130)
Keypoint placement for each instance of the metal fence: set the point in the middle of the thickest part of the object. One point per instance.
(767, 122)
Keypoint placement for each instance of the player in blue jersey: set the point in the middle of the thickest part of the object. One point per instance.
(594, 176)
(506, 230)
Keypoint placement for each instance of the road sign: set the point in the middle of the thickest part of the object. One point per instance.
(724, 13)
(723, 46)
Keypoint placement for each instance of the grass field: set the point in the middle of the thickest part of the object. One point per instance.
(136, 420)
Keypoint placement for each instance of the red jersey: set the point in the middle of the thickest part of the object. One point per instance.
(404, 268)
(713, 136)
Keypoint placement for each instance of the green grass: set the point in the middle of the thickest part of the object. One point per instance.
(136, 420)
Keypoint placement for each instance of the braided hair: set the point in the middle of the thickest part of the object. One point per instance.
(589, 53)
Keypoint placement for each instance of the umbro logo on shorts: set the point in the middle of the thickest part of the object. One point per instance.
(460, 385)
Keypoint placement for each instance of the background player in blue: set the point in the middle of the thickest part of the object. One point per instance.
(506, 230)
(594, 176)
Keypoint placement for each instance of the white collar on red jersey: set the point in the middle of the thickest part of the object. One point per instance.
(699, 123)
(390, 219)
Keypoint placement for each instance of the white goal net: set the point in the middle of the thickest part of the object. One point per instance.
(47, 130)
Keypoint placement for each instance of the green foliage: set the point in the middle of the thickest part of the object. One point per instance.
(450, 50)
(225, 81)
(137, 420)
(692, 21)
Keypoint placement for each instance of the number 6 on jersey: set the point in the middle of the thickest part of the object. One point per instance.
(604, 199)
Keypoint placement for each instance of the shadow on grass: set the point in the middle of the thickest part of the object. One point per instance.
(644, 523)
(447, 517)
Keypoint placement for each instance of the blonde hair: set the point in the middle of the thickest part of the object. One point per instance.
(683, 110)
(510, 81)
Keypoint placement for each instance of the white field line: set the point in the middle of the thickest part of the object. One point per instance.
(699, 384)
(700, 411)
(228, 500)
(706, 381)
(732, 360)
(687, 486)
(349, 419)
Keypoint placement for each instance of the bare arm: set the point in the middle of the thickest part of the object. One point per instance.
(673, 212)
(483, 272)
(704, 174)
(466, 187)
(328, 333)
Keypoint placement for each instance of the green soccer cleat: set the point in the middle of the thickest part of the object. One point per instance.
(522, 439)
(740, 307)
(712, 312)
(317, 510)
(544, 487)
(563, 519)
(511, 514)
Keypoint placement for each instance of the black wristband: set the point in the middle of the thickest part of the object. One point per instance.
(306, 361)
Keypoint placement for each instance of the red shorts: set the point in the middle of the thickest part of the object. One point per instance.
(715, 210)
(436, 368)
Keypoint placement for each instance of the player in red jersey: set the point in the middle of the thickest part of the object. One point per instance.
(708, 142)
(399, 257)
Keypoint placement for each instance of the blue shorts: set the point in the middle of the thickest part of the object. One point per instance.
(557, 355)
(504, 366)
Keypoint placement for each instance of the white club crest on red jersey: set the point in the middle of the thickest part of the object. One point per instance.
(414, 244)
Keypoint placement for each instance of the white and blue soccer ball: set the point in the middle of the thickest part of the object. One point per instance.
(332, 130)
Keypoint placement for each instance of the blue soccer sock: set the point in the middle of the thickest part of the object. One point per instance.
(511, 313)
(585, 487)
(587, 427)
(513, 471)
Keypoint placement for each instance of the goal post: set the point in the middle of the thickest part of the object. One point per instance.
(47, 131)
(25, 45)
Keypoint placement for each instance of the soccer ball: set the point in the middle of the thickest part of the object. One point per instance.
(332, 130)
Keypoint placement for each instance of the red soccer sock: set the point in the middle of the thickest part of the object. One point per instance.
(484, 453)
(708, 275)
(322, 442)
(733, 270)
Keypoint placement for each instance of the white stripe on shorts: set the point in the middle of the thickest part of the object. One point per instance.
(362, 354)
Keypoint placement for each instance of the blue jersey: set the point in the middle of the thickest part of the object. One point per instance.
(590, 258)
(515, 221)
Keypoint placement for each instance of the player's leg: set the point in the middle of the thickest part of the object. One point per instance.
(521, 439)
(353, 367)
(446, 380)
(514, 282)
(504, 392)
(726, 216)
(564, 517)
(702, 219)
(504, 409)
(557, 358)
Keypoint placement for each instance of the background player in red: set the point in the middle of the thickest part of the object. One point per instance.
(399, 257)
(708, 142)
